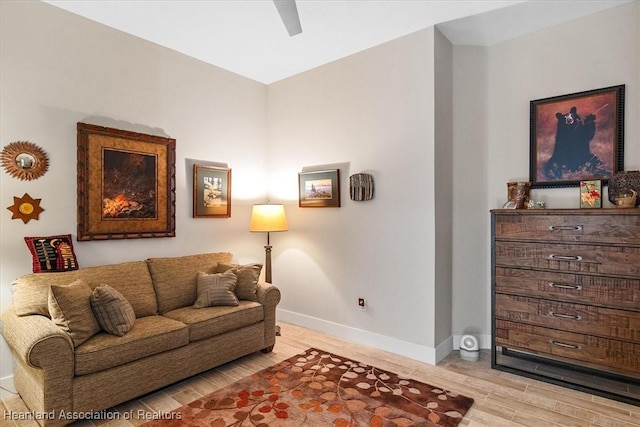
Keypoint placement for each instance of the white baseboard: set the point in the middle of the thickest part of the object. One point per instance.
(404, 348)
(444, 349)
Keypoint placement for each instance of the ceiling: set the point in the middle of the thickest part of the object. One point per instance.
(248, 37)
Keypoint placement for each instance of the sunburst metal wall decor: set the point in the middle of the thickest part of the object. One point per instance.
(25, 208)
(24, 160)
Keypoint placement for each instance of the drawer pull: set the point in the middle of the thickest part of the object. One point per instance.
(565, 228)
(563, 286)
(565, 316)
(565, 345)
(565, 257)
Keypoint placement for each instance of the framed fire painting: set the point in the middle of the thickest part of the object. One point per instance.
(126, 184)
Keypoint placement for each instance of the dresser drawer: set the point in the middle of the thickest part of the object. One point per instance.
(604, 291)
(590, 259)
(597, 352)
(622, 229)
(599, 321)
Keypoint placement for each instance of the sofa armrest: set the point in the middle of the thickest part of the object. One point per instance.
(268, 294)
(45, 362)
(37, 341)
(269, 297)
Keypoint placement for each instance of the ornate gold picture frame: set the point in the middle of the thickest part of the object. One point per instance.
(126, 184)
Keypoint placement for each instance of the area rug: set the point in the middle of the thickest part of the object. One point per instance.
(317, 388)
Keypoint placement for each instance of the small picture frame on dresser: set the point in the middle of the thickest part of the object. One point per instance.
(590, 194)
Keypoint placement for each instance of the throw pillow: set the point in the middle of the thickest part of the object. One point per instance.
(112, 310)
(52, 253)
(248, 276)
(174, 278)
(216, 289)
(70, 309)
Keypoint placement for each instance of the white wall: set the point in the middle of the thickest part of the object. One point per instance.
(470, 287)
(443, 200)
(372, 112)
(492, 90)
(57, 69)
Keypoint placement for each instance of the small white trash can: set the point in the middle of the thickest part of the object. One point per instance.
(469, 348)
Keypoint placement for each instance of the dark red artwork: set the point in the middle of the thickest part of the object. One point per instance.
(576, 138)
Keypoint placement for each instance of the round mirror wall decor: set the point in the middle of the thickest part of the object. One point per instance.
(24, 160)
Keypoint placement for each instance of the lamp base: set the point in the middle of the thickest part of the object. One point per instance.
(267, 264)
(267, 274)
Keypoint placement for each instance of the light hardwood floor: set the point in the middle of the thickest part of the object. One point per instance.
(501, 399)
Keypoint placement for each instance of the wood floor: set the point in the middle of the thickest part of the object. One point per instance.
(501, 399)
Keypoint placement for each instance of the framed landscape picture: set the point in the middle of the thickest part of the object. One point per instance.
(211, 192)
(576, 137)
(126, 184)
(319, 189)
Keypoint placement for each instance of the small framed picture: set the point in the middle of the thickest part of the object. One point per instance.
(591, 194)
(211, 192)
(319, 189)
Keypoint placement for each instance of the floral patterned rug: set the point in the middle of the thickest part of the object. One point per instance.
(316, 388)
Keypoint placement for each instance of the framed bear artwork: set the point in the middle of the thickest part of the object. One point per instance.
(577, 137)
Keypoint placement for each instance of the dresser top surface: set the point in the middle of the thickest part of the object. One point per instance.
(603, 211)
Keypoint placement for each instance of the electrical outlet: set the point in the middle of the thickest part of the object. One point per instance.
(362, 303)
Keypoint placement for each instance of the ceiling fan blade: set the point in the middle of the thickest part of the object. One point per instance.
(289, 13)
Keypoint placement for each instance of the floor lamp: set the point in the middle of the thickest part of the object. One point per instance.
(268, 218)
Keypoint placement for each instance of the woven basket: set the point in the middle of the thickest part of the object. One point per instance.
(627, 201)
(620, 184)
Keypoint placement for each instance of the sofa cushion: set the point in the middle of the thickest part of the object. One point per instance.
(150, 335)
(211, 321)
(112, 310)
(70, 309)
(131, 279)
(216, 289)
(248, 276)
(175, 278)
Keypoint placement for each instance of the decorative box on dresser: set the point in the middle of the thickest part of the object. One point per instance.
(566, 297)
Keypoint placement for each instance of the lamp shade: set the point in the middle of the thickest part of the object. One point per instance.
(268, 218)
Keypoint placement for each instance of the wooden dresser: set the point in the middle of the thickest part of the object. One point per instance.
(566, 298)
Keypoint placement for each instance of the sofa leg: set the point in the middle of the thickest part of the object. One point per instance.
(268, 349)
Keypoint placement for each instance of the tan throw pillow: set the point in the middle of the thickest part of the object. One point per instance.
(70, 309)
(248, 276)
(112, 310)
(216, 289)
(174, 278)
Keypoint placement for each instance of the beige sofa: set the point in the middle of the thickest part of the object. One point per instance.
(169, 339)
